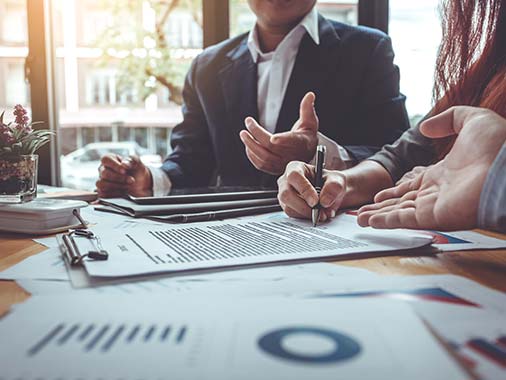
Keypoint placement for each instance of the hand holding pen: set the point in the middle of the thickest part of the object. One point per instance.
(298, 197)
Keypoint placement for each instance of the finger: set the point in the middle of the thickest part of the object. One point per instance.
(107, 187)
(379, 205)
(399, 218)
(295, 214)
(114, 163)
(261, 164)
(364, 216)
(110, 194)
(132, 163)
(258, 149)
(333, 191)
(447, 123)
(397, 191)
(288, 196)
(308, 122)
(111, 176)
(296, 177)
(290, 140)
(330, 213)
(308, 117)
(261, 135)
(410, 175)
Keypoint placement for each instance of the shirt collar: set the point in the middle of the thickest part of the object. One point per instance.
(309, 23)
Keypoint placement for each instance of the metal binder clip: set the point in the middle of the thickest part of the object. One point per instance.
(82, 243)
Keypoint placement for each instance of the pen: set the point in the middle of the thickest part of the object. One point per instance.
(318, 182)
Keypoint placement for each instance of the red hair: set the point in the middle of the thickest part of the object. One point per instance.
(471, 63)
(472, 55)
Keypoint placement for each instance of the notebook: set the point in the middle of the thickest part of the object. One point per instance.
(41, 216)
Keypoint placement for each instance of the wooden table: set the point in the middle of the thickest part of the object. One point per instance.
(486, 267)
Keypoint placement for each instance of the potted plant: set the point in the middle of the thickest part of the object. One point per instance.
(18, 161)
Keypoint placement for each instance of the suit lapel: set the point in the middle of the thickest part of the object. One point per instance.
(313, 65)
(238, 80)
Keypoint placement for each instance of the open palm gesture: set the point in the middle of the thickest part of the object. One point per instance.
(444, 196)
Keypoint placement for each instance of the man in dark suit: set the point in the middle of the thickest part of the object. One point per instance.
(296, 80)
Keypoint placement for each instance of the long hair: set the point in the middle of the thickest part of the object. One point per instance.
(471, 63)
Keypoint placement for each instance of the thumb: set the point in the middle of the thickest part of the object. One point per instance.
(308, 118)
(447, 123)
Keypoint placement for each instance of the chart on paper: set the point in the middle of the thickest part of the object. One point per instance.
(104, 337)
(242, 242)
(89, 338)
(479, 339)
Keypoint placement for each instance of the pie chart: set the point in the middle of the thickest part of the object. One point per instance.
(309, 345)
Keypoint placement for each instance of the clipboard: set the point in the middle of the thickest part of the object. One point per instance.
(80, 244)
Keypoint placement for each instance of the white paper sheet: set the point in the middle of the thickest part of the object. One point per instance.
(266, 280)
(47, 265)
(465, 240)
(199, 338)
(49, 242)
(470, 317)
(437, 291)
(478, 337)
(444, 241)
(270, 238)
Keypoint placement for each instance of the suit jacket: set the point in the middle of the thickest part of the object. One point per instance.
(351, 72)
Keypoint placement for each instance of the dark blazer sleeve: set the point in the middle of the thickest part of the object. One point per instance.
(192, 161)
(381, 105)
(410, 150)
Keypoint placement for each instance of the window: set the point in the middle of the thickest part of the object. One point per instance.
(345, 11)
(122, 67)
(416, 34)
(242, 19)
(13, 51)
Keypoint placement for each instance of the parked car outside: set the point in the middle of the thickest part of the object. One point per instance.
(79, 169)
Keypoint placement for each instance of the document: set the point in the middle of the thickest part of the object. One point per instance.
(436, 291)
(477, 336)
(465, 240)
(469, 317)
(273, 280)
(47, 265)
(461, 240)
(92, 337)
(266, 239)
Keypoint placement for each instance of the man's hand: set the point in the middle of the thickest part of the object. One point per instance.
(417, 170)
(297, 195)
(120, 176)
(271, 153)
(446, 195)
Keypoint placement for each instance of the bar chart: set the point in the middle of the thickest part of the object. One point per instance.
(105, 337)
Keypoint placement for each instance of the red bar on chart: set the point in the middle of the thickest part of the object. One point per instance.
(489, 350)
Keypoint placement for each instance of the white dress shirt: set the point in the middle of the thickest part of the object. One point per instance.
(274, 70)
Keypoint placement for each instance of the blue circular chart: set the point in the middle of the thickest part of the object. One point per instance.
(344, 347)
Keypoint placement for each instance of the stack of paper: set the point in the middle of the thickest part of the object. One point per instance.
(180, 300)
(161, 337)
